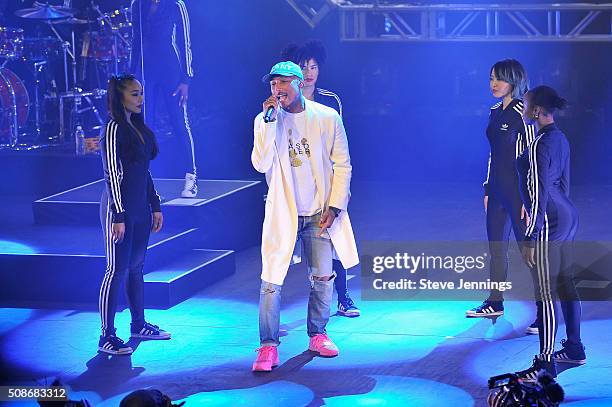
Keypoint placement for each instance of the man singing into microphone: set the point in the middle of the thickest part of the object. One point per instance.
(302, 148)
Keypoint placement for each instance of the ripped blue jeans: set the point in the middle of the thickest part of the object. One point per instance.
(318, 253)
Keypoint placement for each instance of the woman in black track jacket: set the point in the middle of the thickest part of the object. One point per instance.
(129, 210)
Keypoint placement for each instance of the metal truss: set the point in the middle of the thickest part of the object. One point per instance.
(312, 11)
(384, 21)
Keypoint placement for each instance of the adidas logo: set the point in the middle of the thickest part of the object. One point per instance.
(504, 127)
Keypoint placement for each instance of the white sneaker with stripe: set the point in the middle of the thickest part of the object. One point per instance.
(486, 309)
(570, 353)
(113, 345)
(150, 331)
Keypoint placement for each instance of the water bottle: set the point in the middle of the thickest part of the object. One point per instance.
(79, 136)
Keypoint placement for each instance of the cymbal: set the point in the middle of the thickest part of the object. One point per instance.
(70, 20)
(45, 12)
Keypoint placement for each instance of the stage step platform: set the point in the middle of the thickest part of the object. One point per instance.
(59, 262)
(228, 212)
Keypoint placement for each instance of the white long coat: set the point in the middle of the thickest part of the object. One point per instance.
(331, 167)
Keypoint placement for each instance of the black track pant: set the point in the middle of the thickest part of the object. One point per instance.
(554, 284)
(503, 215)
(124, 258)
(158, 92)
(340, 280)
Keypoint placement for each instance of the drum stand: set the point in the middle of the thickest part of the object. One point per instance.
(38, 67)
(14, 138)
(76, 94)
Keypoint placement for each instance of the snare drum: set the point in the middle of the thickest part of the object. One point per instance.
(11, 42)
(11, 84)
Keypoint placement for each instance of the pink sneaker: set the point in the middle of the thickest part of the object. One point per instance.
(321, 344)
(267, 358)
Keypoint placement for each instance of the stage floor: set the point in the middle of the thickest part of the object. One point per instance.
(394, 354)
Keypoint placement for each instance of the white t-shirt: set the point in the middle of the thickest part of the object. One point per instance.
(306, 194)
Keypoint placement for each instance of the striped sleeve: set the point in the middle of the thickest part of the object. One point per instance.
(526, 132)
(181, 40)
(524, 137)
(528, 135)
(329, 93)
(537, 184)
(485, 184)
(113, 170)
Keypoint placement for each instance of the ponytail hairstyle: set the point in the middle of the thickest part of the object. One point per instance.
(511, 71)
(116, 110)
(547, 98)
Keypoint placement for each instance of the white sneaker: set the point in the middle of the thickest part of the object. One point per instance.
(191, 186)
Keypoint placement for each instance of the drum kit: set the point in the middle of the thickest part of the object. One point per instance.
(106, 44)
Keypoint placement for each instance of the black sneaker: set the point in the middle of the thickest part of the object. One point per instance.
(487, 309)
(113, 345)
(570, 353)
(347, 308)
(533, 328)
(149, 331)
(531, 374)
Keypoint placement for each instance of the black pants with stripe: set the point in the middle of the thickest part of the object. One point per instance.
(123, 258)
(340, 280)
(158, 92)
(554, 285)
(503, 215)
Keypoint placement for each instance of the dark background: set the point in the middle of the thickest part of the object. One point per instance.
(413, 111)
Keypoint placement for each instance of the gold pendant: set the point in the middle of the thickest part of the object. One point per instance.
(296, 162)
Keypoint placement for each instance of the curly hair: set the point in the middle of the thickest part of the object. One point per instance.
(313, 49)
(291, 53)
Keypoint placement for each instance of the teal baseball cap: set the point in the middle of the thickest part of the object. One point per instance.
(286, 68)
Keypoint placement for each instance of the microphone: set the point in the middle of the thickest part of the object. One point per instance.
(268, 116)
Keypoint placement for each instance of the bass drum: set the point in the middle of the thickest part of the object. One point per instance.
(10, 85)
